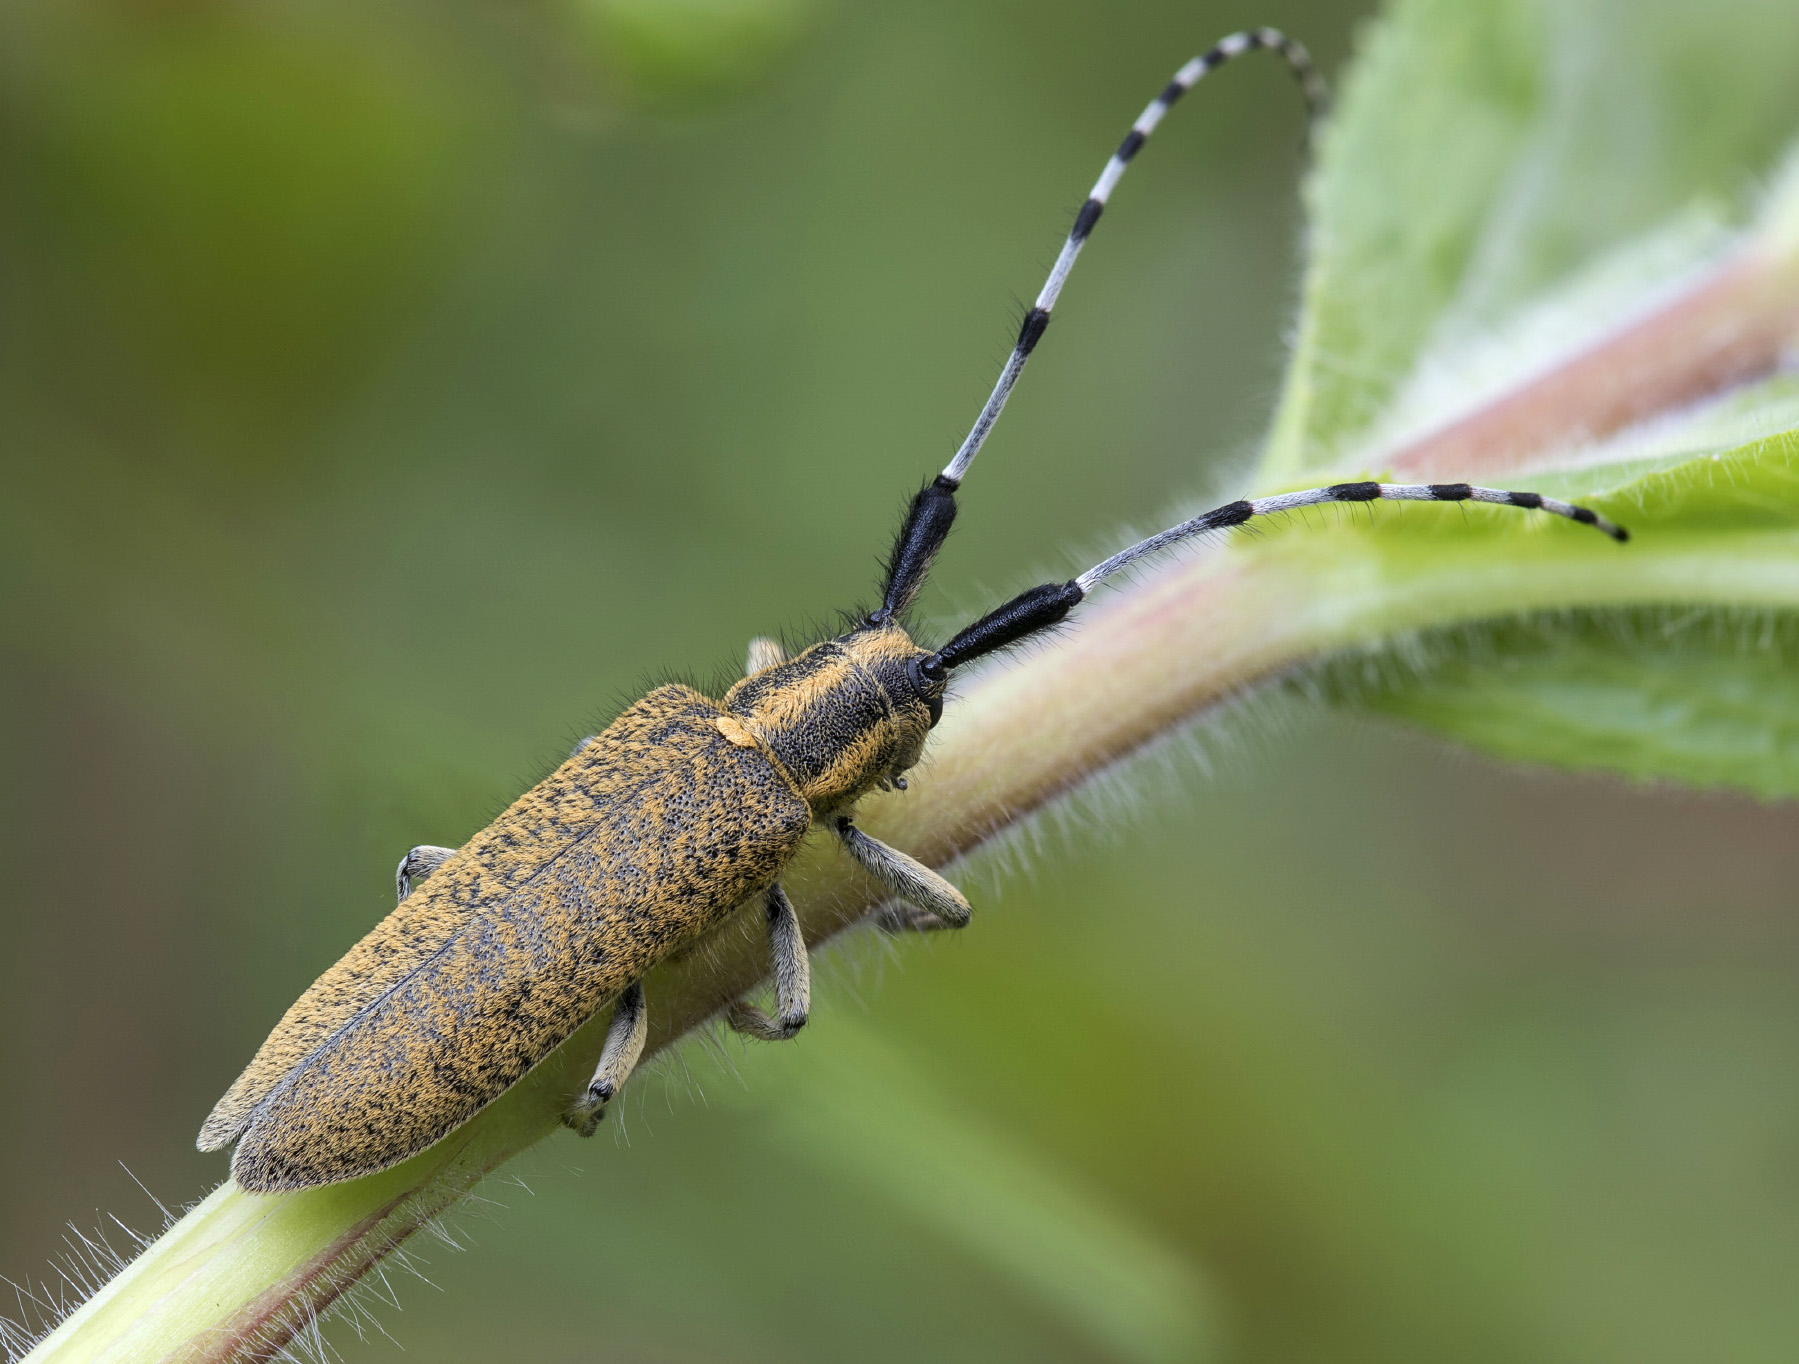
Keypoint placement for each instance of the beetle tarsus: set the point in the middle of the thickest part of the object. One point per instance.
(792, 971)
(624, 1044)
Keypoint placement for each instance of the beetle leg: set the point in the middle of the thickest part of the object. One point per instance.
(417, 865)
(763, 653)
(793, 977)
(900, 917)
(906, 877)
(624, 1044)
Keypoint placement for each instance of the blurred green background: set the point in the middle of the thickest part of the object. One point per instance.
(388, 390)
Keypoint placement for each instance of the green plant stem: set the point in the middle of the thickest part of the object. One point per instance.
(241, 1274)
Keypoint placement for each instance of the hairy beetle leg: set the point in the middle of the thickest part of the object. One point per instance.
(624, 1044)
(906, 877)
(792, 972)
(417, 865)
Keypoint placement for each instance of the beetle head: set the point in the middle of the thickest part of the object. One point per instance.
(847, 715)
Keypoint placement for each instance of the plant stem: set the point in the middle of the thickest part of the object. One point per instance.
(240, 1275)
(1728, 327)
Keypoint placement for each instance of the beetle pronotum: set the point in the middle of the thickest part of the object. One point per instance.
(654, 830)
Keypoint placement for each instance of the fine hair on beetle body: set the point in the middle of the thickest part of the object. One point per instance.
(685, 806)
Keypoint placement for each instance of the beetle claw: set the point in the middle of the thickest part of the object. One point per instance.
(586, 1115)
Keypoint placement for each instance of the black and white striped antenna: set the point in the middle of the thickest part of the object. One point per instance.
(933, 510)
(1037, 319)
(928, 520)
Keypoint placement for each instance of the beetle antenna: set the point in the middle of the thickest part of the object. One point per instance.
(932, 511)
(1044, 606)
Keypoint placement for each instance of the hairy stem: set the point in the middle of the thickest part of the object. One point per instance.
(242, 1274)
(1730, 326)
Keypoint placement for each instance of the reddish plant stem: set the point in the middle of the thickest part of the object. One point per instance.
(1727, 328)
(1148, 661)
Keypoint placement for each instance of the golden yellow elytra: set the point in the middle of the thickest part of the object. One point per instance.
(658, 827)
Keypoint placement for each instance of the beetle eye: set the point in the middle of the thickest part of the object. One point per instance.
(927, 676)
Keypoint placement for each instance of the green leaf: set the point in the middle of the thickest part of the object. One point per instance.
(1700, 698)
(1697, 695)
(1699, 691)
(1487, 149)
(1511, 185)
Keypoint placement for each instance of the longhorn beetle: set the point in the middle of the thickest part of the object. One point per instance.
(655, 829)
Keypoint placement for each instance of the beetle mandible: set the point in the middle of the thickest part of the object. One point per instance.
(654, 830)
